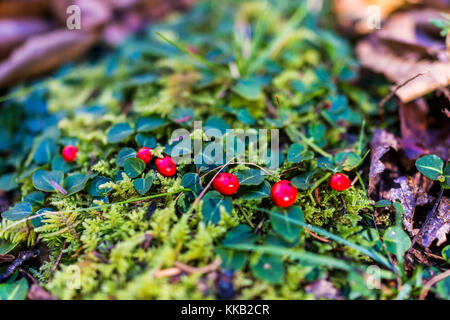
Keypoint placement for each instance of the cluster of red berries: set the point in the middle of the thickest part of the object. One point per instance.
(165, 166)
(283, 193)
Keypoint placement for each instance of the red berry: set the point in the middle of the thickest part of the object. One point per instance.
(339, 182)
(145, 154)
(226, 183)
(166, 166)
(69, 153)
(283, 193)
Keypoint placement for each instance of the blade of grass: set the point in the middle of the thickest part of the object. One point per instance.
(210, 65)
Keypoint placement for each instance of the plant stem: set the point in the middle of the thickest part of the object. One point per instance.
(361, 182)
(317, 184)
(303, 139)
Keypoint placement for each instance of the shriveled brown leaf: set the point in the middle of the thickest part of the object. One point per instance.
(38, 293)
(405, 47)
(44, 52)
(438, 227)
(381, 143)
(324, 289)
(410, 196)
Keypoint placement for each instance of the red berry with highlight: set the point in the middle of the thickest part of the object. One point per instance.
(166, 166)
(69, 153)
(283, 193)
(226, 183)
(145, 154)
(340, 182)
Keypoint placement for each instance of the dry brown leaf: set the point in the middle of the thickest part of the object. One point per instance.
(38, 293)
(14, 32)
(6, 258)
(381, 143)
(44, 52)
(405, 47)
(438, 227)
(410, 196)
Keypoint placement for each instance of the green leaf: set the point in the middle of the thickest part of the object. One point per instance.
(6, 246)
(59, 164)
(215, 122)
(248, 89)
(146, 140)
(446, 253)
(147, 124)
(231, 259)
(42, 180)
(119, 133)
(304, 181)
(294, 152)
(14, 291)
(262, 192)
(382, 203)
(8, 182)
(182, 115)
(36, 198)
(192, 181)
(93, 188)
(283, 223)
(347, 160)
(142, 185)
(242, 234)
(212, 202)
(397, 241)
(124, 154)
(75, 183)
(45, 151)
(133, 167)
(18, 212)
(250, 177)
(245, 117)
(269, 268)
(443, 288)
(447, 177)
(430, 166)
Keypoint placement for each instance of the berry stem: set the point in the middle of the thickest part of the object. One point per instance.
(317, 184)
(300, 137)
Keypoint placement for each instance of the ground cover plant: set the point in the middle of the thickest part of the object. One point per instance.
(100, 209)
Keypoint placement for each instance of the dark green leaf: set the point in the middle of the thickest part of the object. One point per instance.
(59, 164)
(133, 167)
(212, 202)
(242, 234)
(42, 180)
(6, 246)
(75, 183)
(261, 192)
(35, 198)
(18, 212)
(231, 259)
(45, 151)
(446, 253)
(447, 177)
(430, 166)
(149, 124)
(8, 182)
(192, 181)
(284, 225)
(304, 181)
(269, 268)
(347, 160)
(146, 140)
(383, 203)
(38, 221)
(250, 177)
(215, 122)
(294, 153)
(120, 132)
(93, 188)
(142, 185)
(248, 89)
(397, 241)
(124, 154)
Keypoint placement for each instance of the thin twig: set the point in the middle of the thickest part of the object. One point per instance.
(391, 94)
(432, 282)
(206, 269)
(59, 257)
(312, 234)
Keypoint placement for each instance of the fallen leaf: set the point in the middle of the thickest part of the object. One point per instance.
(438, 227)
(6, 258)
(381, 143)
(14, 32)
(44, 52)
(398, 52)
(410, 196)
(23, 8)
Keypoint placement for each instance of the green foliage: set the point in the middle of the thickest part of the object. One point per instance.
(430, 166)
